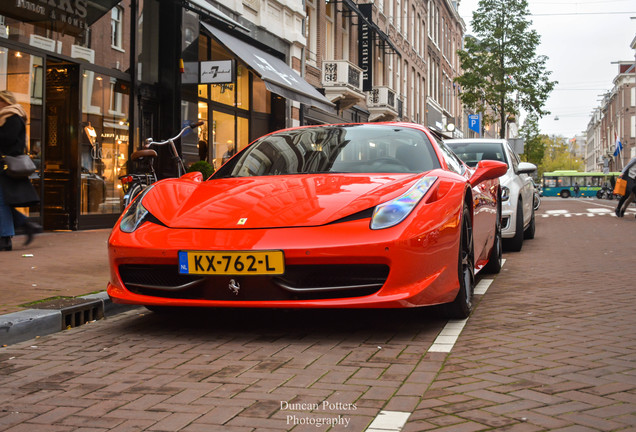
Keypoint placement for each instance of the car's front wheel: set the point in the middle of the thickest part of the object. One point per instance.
(495, 258)
(462, 306)
(529, 232)
(515, 243)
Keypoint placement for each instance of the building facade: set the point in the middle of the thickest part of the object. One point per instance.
(97, 78)
(614, 121)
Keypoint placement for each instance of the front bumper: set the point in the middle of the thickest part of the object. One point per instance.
(333, 266)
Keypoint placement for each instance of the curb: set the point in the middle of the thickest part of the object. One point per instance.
(30, 323)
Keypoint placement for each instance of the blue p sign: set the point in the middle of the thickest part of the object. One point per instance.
(473, 123)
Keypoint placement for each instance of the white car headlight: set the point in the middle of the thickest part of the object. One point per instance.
(393, 212)
(136, 213)
(505, 193)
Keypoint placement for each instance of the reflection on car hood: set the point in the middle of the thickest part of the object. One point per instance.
(271, 202)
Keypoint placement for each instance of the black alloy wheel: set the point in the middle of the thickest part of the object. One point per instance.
(495, 258)
(462, 306)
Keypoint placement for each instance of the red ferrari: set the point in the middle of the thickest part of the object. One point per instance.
(378, 215)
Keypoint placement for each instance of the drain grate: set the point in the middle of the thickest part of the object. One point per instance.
(74, 316)
(75, 311)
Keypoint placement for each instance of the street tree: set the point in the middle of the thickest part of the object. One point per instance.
(502, 73)
(558, 155)
(534, 145)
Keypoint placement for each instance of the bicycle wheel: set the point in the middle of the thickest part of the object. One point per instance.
(134, 190)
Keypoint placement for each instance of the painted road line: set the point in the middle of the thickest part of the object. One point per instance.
(448, 336)
(482, 286)
(389, 421)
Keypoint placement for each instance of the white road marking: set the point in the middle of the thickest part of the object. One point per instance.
(448, 336)
(389, 421)
(591, 212)
(482, 286)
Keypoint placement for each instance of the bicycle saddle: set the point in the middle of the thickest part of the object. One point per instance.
(143, 153)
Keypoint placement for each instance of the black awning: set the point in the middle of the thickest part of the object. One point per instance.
(278, 77)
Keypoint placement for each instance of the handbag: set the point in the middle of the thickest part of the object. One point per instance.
(620, 186)
(18, 166)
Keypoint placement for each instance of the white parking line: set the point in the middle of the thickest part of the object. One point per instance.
(448, 336)
(482, 286)
(389, 421)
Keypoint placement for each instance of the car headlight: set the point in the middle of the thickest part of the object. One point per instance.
(136, 213)
(393, 212)
(505, 194)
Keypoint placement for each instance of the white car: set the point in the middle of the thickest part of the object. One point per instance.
(517, 188)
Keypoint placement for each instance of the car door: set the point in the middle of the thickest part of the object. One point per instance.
(526, 187)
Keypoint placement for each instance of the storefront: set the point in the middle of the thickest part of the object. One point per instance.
(76, 95)
(98, 78)
(244, 88)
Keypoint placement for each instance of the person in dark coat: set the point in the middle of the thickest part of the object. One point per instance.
(628, 174)
(14, 192)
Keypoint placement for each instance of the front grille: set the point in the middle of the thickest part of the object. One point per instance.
(300, 282)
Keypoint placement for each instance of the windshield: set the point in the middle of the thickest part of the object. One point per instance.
(472, 153)
(335, 149)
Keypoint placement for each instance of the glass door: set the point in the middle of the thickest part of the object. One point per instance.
(60, 144)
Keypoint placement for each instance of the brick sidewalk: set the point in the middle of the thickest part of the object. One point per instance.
(55, 264)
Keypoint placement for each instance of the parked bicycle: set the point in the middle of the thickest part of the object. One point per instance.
(133, 184)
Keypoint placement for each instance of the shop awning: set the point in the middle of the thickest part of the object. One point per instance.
(278, 77)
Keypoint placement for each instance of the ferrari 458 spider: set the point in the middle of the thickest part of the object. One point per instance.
(378, 215)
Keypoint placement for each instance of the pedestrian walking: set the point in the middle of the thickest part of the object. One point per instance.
(628, 174)
(576, 189)
(14, 192)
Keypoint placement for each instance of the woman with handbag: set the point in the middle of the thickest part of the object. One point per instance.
(628, 174)
(14, 191)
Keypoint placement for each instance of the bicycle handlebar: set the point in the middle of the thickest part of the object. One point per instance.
(150, 142)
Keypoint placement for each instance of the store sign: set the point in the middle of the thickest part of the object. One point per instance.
(217, 72)
(365, 47)
(65, 16)
(365, 54)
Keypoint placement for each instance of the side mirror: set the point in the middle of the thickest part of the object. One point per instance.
(193, 176)
(488, 170)
(526, 168)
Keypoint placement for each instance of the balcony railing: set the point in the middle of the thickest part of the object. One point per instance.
(337, 73)
(382, 103)
(342, 82)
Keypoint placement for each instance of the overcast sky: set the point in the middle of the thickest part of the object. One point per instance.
(581, 39)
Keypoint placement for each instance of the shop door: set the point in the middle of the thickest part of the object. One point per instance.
(60, 145)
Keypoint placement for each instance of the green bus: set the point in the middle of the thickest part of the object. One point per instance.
(591, 184)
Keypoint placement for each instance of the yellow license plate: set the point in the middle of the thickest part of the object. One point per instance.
(232, 262)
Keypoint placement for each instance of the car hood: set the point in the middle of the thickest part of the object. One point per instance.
(270, 202)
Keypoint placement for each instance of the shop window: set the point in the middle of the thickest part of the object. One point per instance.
(262, 96)
(242, 87)
(103, 143)
(22, 75)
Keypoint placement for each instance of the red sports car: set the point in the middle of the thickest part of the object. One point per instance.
(378, 215)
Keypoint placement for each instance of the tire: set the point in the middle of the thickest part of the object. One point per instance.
(462, 306)
(529, 232)
(565, 193)
(599, 194)
(514, 244)
(495, 258)
(134, 190)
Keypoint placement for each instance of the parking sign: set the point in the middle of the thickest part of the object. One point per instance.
(474, 123)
